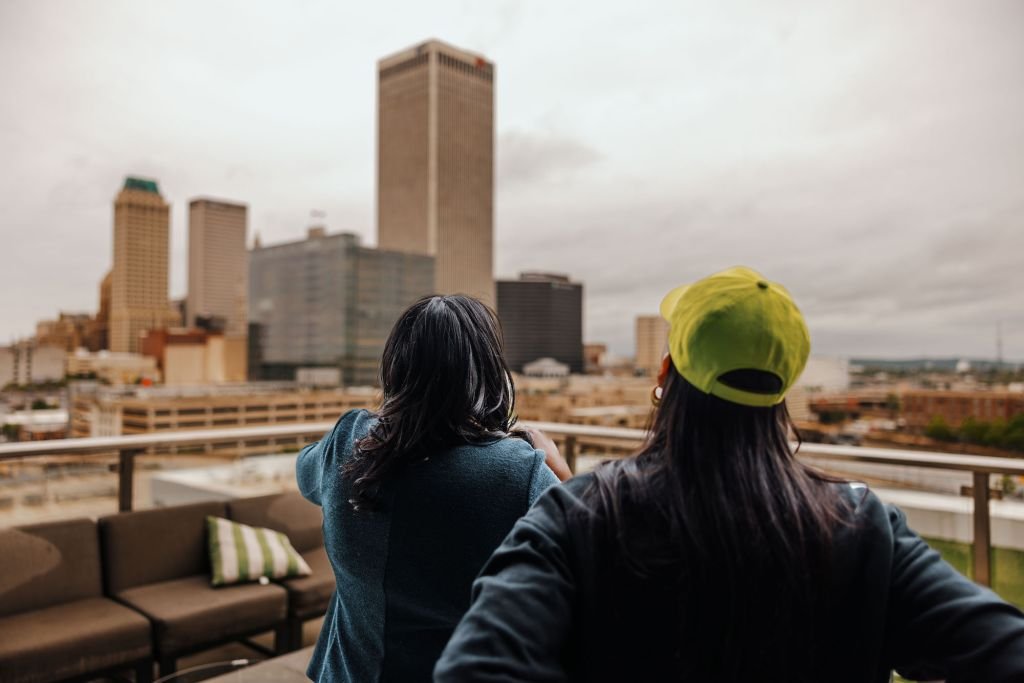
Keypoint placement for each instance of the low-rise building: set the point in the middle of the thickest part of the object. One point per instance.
(919, 407)
(113, 367)
(26, 363)
(35, 425)
(546, 367)
(145, 410)
(554, 399)
(593, 358)
(631, 417)
(191, 356)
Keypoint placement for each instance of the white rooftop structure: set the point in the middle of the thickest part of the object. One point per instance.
(256, 476)
(546, 367)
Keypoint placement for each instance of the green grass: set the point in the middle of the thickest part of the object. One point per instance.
(1007, 567)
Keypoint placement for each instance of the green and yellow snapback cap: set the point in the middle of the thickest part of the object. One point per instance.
(736, 320)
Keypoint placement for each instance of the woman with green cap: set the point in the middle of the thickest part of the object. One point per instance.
(714, 554)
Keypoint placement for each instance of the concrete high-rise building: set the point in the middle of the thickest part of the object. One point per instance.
(542, 317)
(138, 286)
(651, 343)
(327, 301)
(435, 163)
(218, 264)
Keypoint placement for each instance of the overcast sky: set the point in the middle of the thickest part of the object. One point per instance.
(869, 155)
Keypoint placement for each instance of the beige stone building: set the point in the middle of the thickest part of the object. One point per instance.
(435, 163)
(218, 264)
(190, 357)
(651, 343)
(69, 331)
(138, 291)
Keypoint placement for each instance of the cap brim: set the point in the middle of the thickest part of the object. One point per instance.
(668, 304)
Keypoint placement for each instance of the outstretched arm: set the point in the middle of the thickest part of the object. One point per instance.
(943, 625)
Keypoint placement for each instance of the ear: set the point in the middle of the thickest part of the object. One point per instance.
(666, 366)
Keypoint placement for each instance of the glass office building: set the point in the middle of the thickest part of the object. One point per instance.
(328, 301)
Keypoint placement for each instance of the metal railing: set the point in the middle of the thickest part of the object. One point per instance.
(610, 441)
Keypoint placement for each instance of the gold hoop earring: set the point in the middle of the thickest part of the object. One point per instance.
(656, 393)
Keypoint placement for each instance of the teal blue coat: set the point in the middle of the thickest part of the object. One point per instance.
(404, 571)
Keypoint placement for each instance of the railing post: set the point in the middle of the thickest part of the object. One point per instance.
(570, 452)
(982, 531)
(125, 479)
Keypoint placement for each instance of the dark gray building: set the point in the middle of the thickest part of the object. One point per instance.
(541, 317)
(327, 301)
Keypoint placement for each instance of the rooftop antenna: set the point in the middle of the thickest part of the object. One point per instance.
(999, 344)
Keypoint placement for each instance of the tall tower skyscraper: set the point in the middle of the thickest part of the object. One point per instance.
(138, 283)
(218, 264)
(435, 163)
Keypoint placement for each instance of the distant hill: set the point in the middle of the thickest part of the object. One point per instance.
(937, 364)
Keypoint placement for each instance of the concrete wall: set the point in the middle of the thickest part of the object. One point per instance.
(184, 364)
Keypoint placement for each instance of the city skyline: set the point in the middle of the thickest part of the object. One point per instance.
(867, 158)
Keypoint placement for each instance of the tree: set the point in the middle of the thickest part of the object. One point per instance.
(830, 417)
(973, 431)
(39, 404)
(995, 435)
(1014, 437)
(939, 430)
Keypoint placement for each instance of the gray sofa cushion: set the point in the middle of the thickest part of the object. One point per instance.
(48, 564)
(72, 639)
(152, 546)
(188, 613)
(289, 513)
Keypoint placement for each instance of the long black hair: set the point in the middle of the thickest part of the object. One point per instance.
(717, 509)
(445, 382)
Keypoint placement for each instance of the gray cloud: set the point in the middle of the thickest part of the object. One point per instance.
(537, 157)
(866, 154)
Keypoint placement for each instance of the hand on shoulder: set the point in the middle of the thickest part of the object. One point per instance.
(552, 456)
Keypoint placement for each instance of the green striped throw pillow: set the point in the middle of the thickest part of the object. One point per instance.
(240, 553)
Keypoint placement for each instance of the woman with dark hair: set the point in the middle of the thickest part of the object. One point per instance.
(715, 555)
(418, 495)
